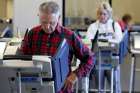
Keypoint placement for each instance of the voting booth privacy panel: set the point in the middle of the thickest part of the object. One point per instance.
(61, 65)
(38, 73)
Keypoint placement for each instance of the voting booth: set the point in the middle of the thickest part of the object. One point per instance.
(36, 73)
(135, 53)
(107, 51)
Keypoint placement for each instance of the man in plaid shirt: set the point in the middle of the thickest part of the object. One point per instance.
(45, 39)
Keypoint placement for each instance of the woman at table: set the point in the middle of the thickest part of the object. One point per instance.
(104, 24)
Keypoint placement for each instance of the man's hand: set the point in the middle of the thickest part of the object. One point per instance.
(70, 81)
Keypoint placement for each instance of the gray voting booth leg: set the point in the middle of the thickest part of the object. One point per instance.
(99, 65)
(134, 69)
(19, 82)
(117, 80)
(132, 74)
(112, 79)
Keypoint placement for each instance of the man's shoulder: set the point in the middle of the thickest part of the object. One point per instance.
(68, 31)
(36, 28)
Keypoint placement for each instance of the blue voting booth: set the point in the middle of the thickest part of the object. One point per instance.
(123, 50)
(60, 65)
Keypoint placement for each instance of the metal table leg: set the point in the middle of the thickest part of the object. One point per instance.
(117, 80)
(99, 70)
(112, 79)
(132, 74)
(19, 82)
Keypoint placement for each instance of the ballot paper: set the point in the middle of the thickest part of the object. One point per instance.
(5, 39)
(13, 46)
(41, 58)
(11, 50)
(137, 42)
(2, 49)
(114, 41)
(15, 41)
(103, 44)
(17, 63)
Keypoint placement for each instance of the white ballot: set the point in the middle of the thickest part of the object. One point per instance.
(18, 63)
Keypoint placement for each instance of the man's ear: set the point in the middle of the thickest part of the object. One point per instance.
(59, 17)
(37, 14)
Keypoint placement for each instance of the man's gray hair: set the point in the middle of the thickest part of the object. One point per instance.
(51, 7)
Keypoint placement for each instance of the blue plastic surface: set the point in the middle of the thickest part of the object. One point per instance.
(60, 66)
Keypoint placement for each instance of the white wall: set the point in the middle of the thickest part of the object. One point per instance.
(87, 8)
(25, 13)
(127, 6)
(82, 8)
(6, 9)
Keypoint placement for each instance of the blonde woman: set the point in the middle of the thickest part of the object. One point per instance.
(104, 24)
